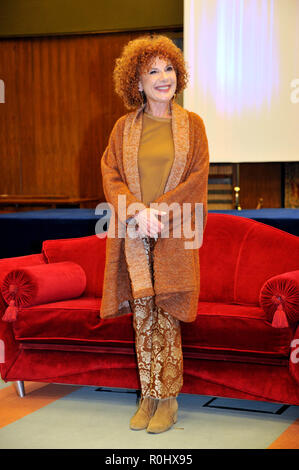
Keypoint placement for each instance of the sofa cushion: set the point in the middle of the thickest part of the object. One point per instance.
(7, 264)
(279, 296)
(89, 252)
(34, 285)
(218, 328)
(71, 321)
(239, 329)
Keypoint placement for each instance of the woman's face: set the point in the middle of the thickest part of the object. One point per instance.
(160, 82)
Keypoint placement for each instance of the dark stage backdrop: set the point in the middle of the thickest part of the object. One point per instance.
(23, 233)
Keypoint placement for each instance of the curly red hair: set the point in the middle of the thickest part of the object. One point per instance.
(137, 57)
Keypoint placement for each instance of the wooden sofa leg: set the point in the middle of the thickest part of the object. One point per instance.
(20, 388)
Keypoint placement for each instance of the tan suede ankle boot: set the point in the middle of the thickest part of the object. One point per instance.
(144, 413)
(165, 416)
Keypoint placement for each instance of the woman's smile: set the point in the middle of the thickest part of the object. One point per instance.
(163, 88)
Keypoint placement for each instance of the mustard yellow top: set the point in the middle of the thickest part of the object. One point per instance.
(155, 156)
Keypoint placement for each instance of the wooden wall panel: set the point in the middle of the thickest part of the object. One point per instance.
(260, 181)
(10, 145)
(59, 110)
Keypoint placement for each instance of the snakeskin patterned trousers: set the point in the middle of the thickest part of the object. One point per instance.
(158, 343)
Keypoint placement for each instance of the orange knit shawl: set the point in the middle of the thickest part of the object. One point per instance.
(176, 269)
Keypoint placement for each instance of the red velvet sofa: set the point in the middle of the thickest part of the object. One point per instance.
(244, 342)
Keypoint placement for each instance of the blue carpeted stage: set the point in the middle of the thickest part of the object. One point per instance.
(22, 233)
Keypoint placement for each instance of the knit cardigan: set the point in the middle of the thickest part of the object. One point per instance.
(176, 284)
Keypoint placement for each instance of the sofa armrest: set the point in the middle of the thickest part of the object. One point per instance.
(10, 345)
(279, 298)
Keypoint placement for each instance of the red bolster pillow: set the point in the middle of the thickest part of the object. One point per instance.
(40, 284)
(279, 298)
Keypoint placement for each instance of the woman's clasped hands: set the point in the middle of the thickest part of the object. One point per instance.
(148, 223)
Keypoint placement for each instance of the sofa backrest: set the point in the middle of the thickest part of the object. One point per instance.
(238, 255)
(89, 252)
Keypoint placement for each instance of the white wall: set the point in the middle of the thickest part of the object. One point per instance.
(243, 58)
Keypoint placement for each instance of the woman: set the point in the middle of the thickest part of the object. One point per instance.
(157, 155)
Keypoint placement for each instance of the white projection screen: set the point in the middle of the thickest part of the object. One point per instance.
(243, 61)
